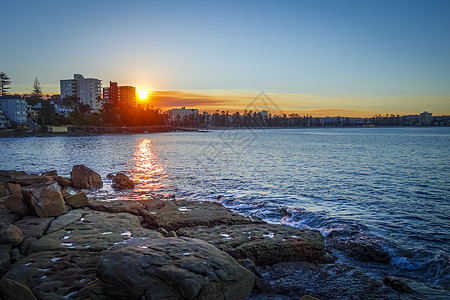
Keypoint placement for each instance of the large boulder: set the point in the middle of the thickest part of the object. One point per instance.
(45, 199)
(84, 178)
(11, 234)
(264, 244)
(122, 182)
(78, 200)
(173, 268)
(4, 191)
(10, 175)
(16, 204)
(5, 258)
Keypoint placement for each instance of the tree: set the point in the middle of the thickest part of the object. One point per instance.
(4, 84)
(37, 91)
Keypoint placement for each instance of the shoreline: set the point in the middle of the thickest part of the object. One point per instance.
(78, 131)
(276, 255)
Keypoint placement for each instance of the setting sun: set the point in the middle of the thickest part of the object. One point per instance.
(142, 95)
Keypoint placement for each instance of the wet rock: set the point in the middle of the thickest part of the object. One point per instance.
(330, 281)
(121, 182)
(162, 231)
(308, 297)
(84, 178)
(14, 188)
(94, 231)
(265, 244)
(65, 220)
(78, 200)
(397, 284)
(5, 257)
(33, 227)
(173, 268)
(16, 204)
(10, 175)
(110, 176)
(171, 234)
(4, 191)
(62, 181)
(45, 199)
(56, 274)
(30, 179)
(13, 290)
(6, 217)
(11, 234)
(360, 246)
(50, 173)
(179, 214)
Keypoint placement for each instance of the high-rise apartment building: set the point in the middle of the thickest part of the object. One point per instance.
(89, 90)
(14, 109)
(121, 96)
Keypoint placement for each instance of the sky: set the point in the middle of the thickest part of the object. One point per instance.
(353, 58)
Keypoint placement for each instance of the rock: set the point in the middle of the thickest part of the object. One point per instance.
(5, 258)
(45, 199)
(14, 188)
(308, 297)
(162, 231)
(10, 175)
(330, 281)
(11, 234)
(94, 231)
(397, 284)
(6, 217)
(173, 268)
(16, 204)
(3, 191)
(121, 182)
(179, 214)
(171, 234)
(62, 181)
(265, 244)
(77, 200)
(65, 220)
(33, 228)
(50, 173)
(110, 176)
(30, 179)
(84, 178)
(13, 290)
(56, 274)
(360, 246)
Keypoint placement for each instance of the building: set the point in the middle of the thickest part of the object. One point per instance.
(88, 90)
(178, 114)
(425, 118)
(3, 122)
(15, 110)
(121, 96)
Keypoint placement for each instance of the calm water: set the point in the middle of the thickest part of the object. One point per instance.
(391, 182)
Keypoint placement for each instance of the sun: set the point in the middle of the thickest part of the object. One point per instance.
(142, 95)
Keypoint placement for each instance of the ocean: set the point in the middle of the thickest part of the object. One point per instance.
(391, 183)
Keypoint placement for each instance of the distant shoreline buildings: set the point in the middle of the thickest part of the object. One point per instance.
(88, 90)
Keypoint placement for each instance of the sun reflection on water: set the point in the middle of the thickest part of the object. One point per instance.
(147, 174)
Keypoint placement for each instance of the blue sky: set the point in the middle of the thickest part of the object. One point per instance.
(371, 55)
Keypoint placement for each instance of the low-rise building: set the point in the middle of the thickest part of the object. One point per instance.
(178, 114)
(15, 110)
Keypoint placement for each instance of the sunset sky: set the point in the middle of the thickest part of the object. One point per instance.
(353, 58)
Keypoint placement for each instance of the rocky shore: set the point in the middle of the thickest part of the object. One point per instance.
(56, 243)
